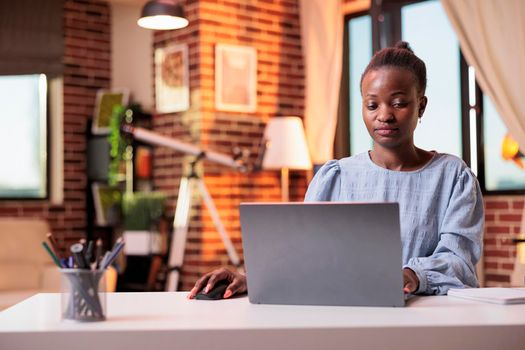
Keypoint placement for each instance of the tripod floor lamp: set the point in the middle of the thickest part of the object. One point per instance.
(286, 149)
(187, 183)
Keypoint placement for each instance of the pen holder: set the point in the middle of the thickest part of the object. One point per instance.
(83, 296)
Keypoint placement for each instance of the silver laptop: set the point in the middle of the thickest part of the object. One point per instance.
(323, 253)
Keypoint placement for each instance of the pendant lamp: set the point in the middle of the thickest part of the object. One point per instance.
(162, 15)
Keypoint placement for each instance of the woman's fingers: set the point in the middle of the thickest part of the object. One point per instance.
(237, 286)
(201, 282)
(216, 276)
(207, 281)
(410, 281)
(211, 282)
(408, 288)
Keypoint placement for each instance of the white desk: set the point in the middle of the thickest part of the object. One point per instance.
(157, 321)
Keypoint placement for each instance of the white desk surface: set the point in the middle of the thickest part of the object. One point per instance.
(170, 321)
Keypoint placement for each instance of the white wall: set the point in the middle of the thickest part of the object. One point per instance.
(131, 54)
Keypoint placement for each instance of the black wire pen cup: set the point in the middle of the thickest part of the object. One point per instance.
(83, 296)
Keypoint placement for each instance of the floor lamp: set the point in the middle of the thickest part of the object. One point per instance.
(286, 149)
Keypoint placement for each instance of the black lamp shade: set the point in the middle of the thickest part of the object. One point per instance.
(162, 14)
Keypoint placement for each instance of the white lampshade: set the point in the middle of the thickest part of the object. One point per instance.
(286, 144)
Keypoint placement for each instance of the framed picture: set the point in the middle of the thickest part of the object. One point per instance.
(235, 78)
(107, 202)
(172, 87)
(105, 102)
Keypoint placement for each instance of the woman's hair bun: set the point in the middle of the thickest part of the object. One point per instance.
(403, 45)
(399, 56)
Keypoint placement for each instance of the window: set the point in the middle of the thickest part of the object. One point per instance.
(457, 107)
(425, 26)
(23, 144)
(498, 175)
(360, 52)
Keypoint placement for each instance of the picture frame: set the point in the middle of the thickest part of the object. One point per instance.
(105, 101)
(107, 202)
(172, 87)
(235, 78)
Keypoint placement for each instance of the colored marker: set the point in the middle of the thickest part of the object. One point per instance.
(50, 252)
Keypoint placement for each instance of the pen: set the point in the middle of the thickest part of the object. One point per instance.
(114, 253)
(50, 252)
(103, 261)
(117, 242)
(77, 249)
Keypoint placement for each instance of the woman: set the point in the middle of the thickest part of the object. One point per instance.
(441, 207)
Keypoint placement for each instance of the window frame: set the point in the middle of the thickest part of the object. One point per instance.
(392, 8)
(342, 141)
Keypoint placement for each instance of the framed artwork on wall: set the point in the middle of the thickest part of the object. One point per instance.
(172, 87)
(235, 78)
(106, 200)
(106, 100)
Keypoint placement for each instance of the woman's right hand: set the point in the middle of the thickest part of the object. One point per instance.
(237, 282)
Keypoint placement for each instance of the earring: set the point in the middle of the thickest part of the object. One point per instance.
(419, 120)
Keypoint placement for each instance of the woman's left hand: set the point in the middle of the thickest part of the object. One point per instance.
(410, 281)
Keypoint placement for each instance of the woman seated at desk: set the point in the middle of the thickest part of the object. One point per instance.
(441, 206)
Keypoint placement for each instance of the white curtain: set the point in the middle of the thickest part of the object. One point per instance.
(492, 37)
(322, 40)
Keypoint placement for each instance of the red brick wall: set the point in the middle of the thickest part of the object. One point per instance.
(86, 69)
(272, 27)
(502, 224)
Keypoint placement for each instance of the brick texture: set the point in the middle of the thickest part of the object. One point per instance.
(502, 224)
(272, 27)
(86, 69)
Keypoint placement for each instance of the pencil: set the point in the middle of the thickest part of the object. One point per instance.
(89, 252)
(98, 252)
(50, 252)
(54, 244)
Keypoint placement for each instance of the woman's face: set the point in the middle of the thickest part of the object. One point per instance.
(391, 106)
